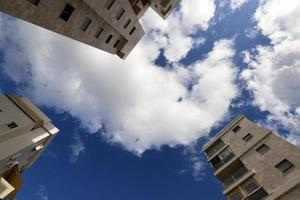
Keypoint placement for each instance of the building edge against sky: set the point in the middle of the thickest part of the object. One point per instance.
(24, 133)
(253, 163)
(110, 25)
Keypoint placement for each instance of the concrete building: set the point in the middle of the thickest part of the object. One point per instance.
(24, 132)
(109, 25)
(253, 163)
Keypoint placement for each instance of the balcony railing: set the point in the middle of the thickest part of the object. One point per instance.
(220, 163)
(259, 194)
(234, 177)
(216, 148)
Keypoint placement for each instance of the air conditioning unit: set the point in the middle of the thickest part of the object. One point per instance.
(5, 188)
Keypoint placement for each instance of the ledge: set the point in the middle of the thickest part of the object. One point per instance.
(239, 181)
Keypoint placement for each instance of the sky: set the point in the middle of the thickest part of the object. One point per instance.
(133, 129)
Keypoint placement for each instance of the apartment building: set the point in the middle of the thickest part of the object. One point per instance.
(110, 25)
(253, 163)
(24, 133)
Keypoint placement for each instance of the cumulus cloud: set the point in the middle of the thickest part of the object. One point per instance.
(175, 35)
(273, 73)
(141, 106)
(77, 147)
(234, 4)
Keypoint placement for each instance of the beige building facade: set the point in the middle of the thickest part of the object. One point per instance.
(253, 163)
(24, 133)
(110, 25)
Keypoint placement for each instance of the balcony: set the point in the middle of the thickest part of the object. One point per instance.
(222, 158)
(234, 177)
(214, 149)
(258, 194)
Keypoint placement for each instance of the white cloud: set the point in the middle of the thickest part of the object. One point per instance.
(142, 106)
(273, 74)
(174, 35)
(233, 4)
(41, 193)
(77, 148)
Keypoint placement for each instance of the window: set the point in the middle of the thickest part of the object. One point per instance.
(236, 195)
(127, 23)
(236, 129)
(116, 44)
(109, 4)
(108, 39)
(12, 125)
(120, 14)
(98, 32)
(259, 194)
(249, 186)
(1, 110)
(132, 31)
(247, 137)
(284, 165)
(34, 2)
(67, 12)
(263, 149)
(85, 24)
(225, 155)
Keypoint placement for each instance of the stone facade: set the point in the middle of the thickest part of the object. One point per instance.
(109, 25)
(254, 163)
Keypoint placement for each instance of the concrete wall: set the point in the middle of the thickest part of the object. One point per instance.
(46, 14)
(17, 145)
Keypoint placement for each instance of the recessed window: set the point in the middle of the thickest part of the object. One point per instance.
(109, 4)
(236, 195)
(247, 137)
(284, 165)
(116, 44)
(108, 39)
(12, 125)
(85, 24)
(98, 32)
(249, 186)
(263, 149)
(34, 2)
(132, 31)
(127, 23)
(236, 129)
(67, 12)
(120, 14)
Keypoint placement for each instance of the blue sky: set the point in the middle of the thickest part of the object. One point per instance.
(134, 129)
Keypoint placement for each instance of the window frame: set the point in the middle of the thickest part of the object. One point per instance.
(67, 12)
(291, 165)
(247, 137)
(267, 148)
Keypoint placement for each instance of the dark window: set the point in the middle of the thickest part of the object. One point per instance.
(109, 4)
(236, 129)
(34, 2)
(98, 32)
(132, 31)
(67, 12)
(108, 39)
(85, 24)
(116, 44)
(249, 186)
(247, 137)
(263, 149)
(12, 125)
(284, 165)
(1, 110)
(258, 195)
(120, 14)
(127, 23)
(236, 195)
